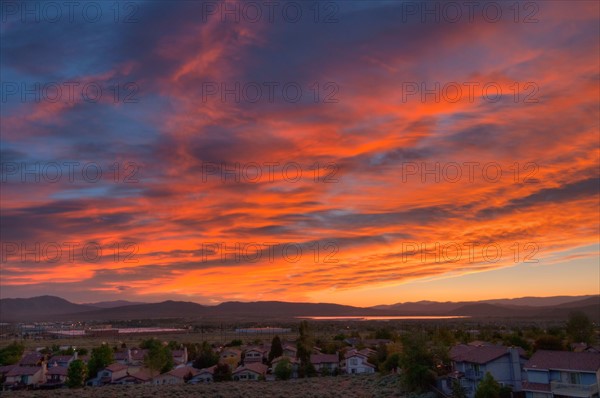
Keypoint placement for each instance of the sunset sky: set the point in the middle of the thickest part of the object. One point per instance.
(351, 152)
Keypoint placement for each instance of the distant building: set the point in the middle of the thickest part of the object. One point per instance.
(562, 374)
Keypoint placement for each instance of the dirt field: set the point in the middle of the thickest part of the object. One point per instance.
(326, 387)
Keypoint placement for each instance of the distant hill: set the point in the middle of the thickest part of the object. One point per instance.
(539, 301)
(113, 304)
(166, 309)
(281, 308)
(42, 307)
(47, 308)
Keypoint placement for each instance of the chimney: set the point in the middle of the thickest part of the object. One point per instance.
(515, 365)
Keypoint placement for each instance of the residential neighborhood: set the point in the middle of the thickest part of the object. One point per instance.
(546, 374)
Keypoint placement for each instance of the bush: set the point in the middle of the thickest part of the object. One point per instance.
(76, 374)
(283, 370)
(12, 353)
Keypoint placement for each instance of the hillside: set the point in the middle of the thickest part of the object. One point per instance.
(49, 308)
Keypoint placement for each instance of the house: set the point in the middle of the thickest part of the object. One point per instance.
(176, 376)
(374, 343)
(325, 363)
(26, 376)
(123, 357)
(62, 360)
(203, 376)
(32, 359)
(4, 370)
(180, 357)
(254, 354)
(356, 362)
(289, 350)
(231, 357)
(56, 376)
(142, 376)
(137, 356)
(250, 371)
(471, 362)
(562, 374)
(109, 374)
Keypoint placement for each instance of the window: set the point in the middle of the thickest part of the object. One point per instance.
(574, 378)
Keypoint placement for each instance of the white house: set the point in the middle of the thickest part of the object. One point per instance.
(356, 362)
(203, 376)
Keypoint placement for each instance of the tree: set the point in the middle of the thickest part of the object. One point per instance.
(283, 370)
(549, 342)
(304, 348)
(517, 340)
(276, 349)
(392, 362)
(222, 372)
(488, 387)
(580, 328)
(11, 354)
(76, 374)
(101, 357)
(417, 363)
(458, 391)
(159, 359)
(206, 357)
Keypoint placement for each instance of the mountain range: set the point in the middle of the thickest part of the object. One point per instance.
(46, 308)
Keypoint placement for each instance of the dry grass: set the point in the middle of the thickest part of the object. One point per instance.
(321, 387)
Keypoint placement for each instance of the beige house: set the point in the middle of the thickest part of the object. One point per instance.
(231, 357)
(254, 354)
(26, 375)
(250, 371)
(176, 376)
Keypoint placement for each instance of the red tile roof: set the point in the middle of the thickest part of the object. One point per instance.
(60, 358)
(115, 367)
(210, 370)
(6, 368)
(256, 367)
(58, 370)
(31, 359)
(564, 360)
(324, 358)
(183, 372)
(23, 370)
